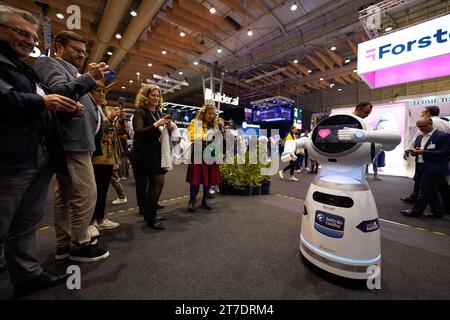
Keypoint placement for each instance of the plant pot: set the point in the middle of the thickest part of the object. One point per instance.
(225, 189)
(247, 191)
(256, 191)
(265, 187)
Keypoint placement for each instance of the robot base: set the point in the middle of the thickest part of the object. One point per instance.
(343, 271)
(340, 230)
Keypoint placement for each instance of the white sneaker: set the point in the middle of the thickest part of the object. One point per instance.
(107, 224)
(292, 178)
(299, 170)
(280, 173)
(120, 200)
(93, 231)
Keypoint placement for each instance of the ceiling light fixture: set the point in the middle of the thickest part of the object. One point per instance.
(150, 65)
(294, 6)
(333, 48)
(195, 63)
(339, 89)
(347, 61)
(295, 61)
(180, 73)
(123, 87)
(212, 10)
(118, 36)
(60, 16)
(355, 71)
(182, 34)
(321, 79)
(309, 71)
(249, 33)
(133, 13)
(331, 85)
(138, 73)
(388, 29)
(110, 53)
(164, 52)
(131, 81)
(219, 50)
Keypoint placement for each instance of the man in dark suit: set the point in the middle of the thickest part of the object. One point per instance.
(75, 195)
(432, 150)
(26, 132)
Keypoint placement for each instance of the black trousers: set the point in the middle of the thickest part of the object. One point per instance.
(290, 167)
(428, 193)
(103, 174)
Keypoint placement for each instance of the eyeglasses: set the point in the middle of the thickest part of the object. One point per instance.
(22, 33)
(78, 50)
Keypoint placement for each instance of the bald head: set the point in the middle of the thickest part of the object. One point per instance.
(425, 125)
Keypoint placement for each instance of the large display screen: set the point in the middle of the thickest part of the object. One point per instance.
(272, 114)
(248, 115)
(325, 134)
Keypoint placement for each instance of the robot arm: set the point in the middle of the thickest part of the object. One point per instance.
(389, 139)
(290, 146)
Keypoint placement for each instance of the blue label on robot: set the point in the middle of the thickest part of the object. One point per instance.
(369, 225)
(329, 224)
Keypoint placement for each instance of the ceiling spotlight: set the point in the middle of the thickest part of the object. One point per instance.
(339, 89)
(180, 73)
(182, 34)
(212, 10)
(150, 65)
(331, 85)
(133, 13)
(138, 73)
(109, 53)
(355, 71)
(123, 87)
(60, 16)
(295, 61)
(309, 71)
(249, 33)
(195, 63)
(388, 29)
(321, 79)
(164, 52)
(347, 61)
(294, 6)
(219, 50)
(118, 36)
(131, 81)
(333, 48)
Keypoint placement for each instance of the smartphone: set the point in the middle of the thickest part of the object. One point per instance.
(168, 116)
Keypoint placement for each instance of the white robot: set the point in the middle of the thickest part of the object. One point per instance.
(340, 229)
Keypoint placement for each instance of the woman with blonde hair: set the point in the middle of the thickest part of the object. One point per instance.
(148, 123)
(104, 159)
(201, 130)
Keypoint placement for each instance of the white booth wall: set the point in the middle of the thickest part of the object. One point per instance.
(396, 115)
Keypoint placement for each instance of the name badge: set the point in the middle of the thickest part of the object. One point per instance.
(431, 146)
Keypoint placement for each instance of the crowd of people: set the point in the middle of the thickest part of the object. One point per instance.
(55, 121)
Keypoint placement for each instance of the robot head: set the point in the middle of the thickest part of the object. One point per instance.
(325, 147)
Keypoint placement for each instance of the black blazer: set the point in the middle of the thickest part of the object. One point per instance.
(436, 154)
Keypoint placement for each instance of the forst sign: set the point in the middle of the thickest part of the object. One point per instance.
(416, 53)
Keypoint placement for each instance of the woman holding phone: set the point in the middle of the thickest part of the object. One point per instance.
(148, 123)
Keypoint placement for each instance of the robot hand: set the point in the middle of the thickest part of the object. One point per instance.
(289, 151)
(351, 134)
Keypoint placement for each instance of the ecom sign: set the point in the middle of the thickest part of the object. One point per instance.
(416, 53)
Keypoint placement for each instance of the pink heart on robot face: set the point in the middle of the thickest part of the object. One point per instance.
(323, 133)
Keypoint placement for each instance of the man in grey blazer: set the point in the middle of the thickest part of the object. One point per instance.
(75, 193)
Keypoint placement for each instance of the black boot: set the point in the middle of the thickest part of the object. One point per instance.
(152, 219)
(205, 203)
(191, 205)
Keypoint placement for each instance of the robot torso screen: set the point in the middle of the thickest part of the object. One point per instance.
(325, 134)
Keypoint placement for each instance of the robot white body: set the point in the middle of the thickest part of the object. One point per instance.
(340, 229)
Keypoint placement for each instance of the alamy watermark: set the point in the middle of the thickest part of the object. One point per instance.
(374, 279)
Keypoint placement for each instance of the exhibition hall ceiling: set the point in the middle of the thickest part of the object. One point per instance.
(263, 48)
